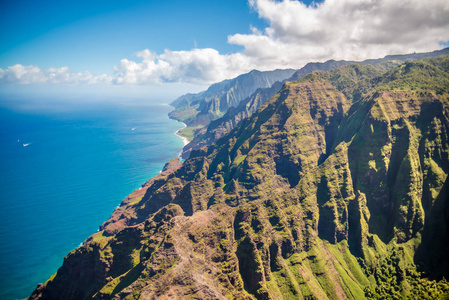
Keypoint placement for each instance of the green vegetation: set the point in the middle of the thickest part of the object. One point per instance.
(198, 110)
(190, 131)
(336, 188)
(201, 108)
(99, 236)
(354, 79)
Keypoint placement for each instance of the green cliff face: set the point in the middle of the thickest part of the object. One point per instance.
(335, 188)
(201, 108)
(198, 110)
(200, 137)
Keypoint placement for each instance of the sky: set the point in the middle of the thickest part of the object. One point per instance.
(174, 46)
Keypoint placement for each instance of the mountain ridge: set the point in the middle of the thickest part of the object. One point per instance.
(197, 110)
(217, 128)
(335, 188)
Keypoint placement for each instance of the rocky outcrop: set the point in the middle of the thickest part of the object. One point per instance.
(125, 214)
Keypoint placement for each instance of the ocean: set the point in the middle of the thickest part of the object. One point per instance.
(62, 173)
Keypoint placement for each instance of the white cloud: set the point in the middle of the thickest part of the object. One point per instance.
(21, 74)
(296, 35)
(343, 29)
(194, 66)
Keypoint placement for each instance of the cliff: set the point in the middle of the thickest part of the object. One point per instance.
(220, 127)
(197, 110)
(335, 188)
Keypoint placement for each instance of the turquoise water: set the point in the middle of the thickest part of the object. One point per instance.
(62, 173)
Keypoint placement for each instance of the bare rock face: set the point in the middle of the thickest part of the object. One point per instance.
(125, 214)
(335, 188)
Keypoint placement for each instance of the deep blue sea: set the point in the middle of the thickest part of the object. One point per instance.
(62, 173)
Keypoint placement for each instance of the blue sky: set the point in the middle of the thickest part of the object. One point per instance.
(95, 35)
(186, 45)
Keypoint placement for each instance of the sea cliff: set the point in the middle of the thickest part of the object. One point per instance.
(335, 188)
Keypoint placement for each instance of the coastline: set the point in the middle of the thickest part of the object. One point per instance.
(184, 139)
(38, 267)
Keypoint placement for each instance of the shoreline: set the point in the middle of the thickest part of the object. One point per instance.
(184, 139)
